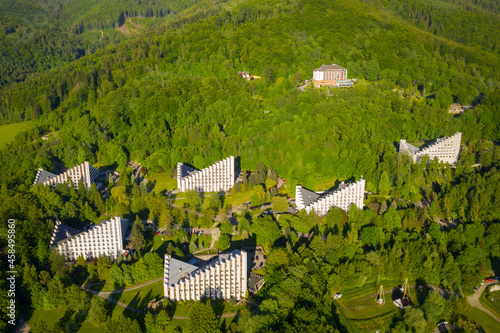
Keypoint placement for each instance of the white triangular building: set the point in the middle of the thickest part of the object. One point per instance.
(224, 277)
(84, 172)
(446, 150)
(103, 239)
(218, 177)
(342, 197)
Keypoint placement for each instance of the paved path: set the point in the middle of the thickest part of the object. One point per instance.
(114, 301)
(105, 294)
(119, 291)
(474, 301)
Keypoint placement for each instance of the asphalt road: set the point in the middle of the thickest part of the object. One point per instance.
(474, 300)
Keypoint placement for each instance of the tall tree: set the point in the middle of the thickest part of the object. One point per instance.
(202, 318)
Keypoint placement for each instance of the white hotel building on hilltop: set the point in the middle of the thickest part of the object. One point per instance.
(103, 239)
(224, 277)
(446, 150)
(343, 197)
(84, 172)
(217, 177)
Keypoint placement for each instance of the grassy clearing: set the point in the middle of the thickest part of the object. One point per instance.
(10, 131)
(324, 184)
(418, 143)
(238, 198)
(494, 306)
(163, 182)
(380, 323)
(139, 298)
(206, 252)
(485, 322)
(359, 303)
(183, 324)
(51, 317)
(158, 245)
(220, 307)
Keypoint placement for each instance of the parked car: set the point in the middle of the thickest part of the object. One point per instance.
(476, 288)
(157, 233)
(489, 280)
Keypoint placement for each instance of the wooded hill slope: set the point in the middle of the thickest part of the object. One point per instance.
(174, 95)
(36, 36)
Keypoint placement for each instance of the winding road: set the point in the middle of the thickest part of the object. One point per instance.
(474, 301)
(105, 295)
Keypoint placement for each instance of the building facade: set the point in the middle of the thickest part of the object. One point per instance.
(104, 239)
(446, 150)
(224, 277)
(342, 197)
(84, 172)
(217, 177)
(328, 75)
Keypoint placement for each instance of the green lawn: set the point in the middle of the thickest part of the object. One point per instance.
(10, 131)
(239, 198)
(139, 298)
(380, 323)
(182, 308)
(207, 251)
(485, 322)
(492, 306)
(163, 182)
(360, 303)
(51, 317)
(324, 184)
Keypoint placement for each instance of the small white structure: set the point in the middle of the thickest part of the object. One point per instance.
(224, 277)
(217, 177)
(84, 172)
(445, 149)
(342, 197)
(337, 296)
(104, 239)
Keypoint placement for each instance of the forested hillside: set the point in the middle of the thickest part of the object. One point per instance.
(473, 23)
(173, 94)
(36, 36)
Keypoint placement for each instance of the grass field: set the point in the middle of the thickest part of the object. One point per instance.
(492, 306)
(51, 317)
(324, 184)
(163, 182)
(139, 298)
(485, 322)
(239, 198)
(10, 131)
(359, 303)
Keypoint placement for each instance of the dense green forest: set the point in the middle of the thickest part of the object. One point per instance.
(172, 94)
(36, 36)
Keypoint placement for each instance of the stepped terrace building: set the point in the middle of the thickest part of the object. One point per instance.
(328, 75)
(224, 277)
(342, 197)
(217, 177)
(84, 172)
(104, 239)
(446, 150)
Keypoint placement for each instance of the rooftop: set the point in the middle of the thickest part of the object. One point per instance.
(62, 232)
(308, 196)
(329, 67)
(179, 269)
(43, 175)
